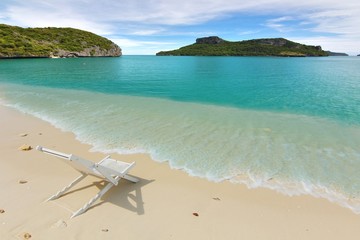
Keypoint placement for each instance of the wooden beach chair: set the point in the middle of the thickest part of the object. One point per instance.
(108, 169)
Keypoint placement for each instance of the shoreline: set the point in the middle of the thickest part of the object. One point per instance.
(160, 206)
(286, 186)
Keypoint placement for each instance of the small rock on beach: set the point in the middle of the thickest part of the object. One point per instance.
(22, 181)
(25, 147)
(2, 210)
(27, 236)
(23, 134)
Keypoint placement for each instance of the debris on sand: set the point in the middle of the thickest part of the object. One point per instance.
(27, 236)
(25, 147)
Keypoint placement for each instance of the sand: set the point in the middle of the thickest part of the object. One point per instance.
(163, 205)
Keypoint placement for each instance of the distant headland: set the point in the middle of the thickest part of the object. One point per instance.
(337, 54)
(17, 42)
(215, 46)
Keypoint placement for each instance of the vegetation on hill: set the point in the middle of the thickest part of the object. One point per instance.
(47, 42)
(215, 46)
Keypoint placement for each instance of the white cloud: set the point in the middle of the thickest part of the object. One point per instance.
(167, 12)
(43, 14)
(135, 43)
(339, 44)
(337, 21)
(133, 47)
(279, 24)
(146, 32)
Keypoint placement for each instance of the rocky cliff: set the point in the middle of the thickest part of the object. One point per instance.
(17, 42)
(94, 51)
(209, 40)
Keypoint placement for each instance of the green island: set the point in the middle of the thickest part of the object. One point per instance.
(51, 42)
(215, 46)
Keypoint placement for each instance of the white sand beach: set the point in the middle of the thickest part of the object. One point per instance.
(160, 206)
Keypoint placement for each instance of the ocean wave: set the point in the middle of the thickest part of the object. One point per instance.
(292, 154)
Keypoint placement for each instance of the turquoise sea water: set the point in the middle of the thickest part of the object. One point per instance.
(290, 124)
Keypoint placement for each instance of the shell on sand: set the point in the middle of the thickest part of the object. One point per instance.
(27, 236)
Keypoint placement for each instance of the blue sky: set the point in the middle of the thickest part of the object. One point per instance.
(149, 26)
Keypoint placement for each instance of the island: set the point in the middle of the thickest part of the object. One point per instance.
(51, 42)
(337, 54)
(216, 46)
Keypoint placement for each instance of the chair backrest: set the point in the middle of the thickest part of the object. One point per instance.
(115, 167)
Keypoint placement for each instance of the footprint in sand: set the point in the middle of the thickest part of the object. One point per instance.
(60, 224)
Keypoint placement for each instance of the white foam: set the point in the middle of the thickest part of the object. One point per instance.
(291, 154)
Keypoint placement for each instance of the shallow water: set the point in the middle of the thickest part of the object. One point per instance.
(290, 124)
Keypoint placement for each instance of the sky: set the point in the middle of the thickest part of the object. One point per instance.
(142, 27)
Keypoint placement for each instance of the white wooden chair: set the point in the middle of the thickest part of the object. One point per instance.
(108, 169)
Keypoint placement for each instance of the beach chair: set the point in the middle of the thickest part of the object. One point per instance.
(108, 169)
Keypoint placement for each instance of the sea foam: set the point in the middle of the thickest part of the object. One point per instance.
(292, 154)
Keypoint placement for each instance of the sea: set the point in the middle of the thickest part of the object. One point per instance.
(288, 124)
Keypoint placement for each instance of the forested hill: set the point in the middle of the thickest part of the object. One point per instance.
(215, 46)
(17, 42)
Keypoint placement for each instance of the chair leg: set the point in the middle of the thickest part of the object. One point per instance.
(65, 189)
(93, 200)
